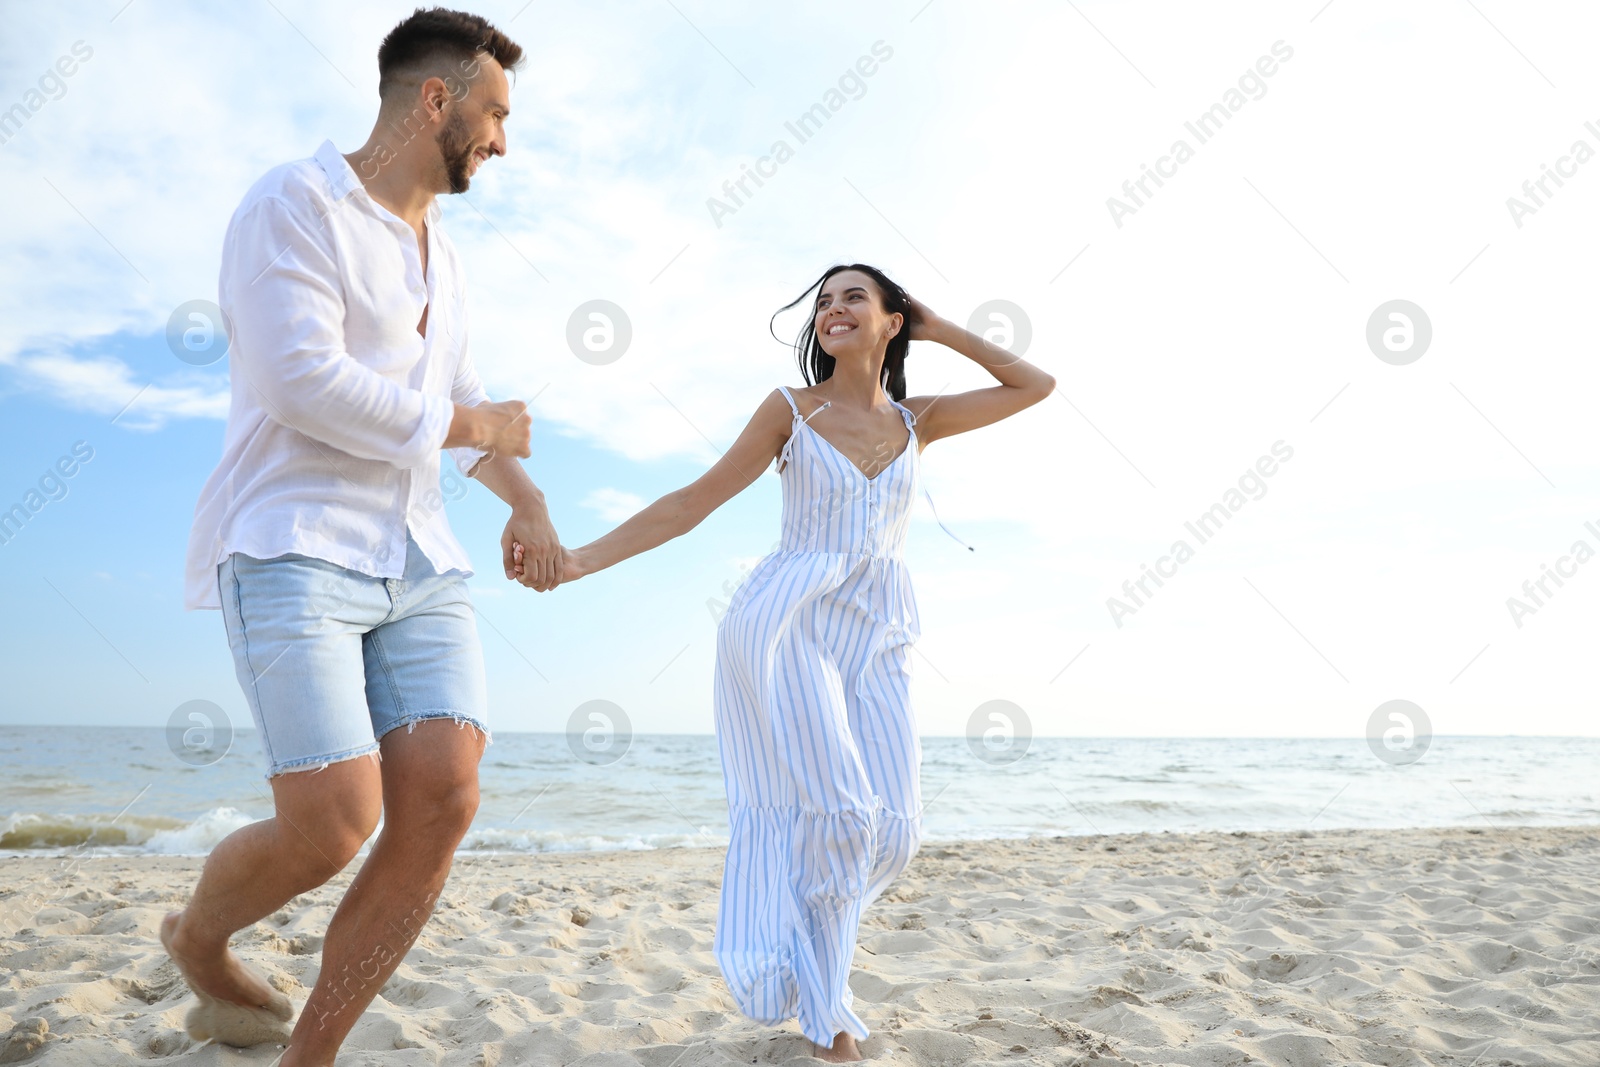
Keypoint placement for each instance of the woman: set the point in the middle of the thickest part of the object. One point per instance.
(813, 715)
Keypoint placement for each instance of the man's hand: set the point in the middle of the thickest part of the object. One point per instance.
(573, 565)
(538, 565)
(495, 428)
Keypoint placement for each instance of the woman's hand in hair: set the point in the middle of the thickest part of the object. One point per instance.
(942, 415)
(923, 322)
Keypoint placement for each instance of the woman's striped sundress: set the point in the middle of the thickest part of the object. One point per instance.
(818, 743)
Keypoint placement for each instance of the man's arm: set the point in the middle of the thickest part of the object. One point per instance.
(283, 295)
(497, 469)
(529, 524)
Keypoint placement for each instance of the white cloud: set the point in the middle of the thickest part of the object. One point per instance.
(107, 386)
(613, 505)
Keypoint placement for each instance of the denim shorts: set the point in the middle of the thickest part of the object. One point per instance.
(331, 660)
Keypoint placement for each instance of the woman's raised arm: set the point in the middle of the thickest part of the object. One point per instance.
(682, 510)
(1021, 383)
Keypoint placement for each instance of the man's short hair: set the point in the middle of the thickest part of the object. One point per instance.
(440, 35)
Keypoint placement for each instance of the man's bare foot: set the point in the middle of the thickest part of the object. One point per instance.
(222, 976)
(844, 1050)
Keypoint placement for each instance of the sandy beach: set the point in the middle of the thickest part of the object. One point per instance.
(1448, 948)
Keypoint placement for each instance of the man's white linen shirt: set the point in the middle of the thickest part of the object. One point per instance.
(339, 407)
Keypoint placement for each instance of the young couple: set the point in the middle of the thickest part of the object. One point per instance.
(350, 372)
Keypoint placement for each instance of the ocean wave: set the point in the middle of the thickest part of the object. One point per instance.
(37, 831)
(64, 790)
(1136, 804)
(497, 839)
(200, 836)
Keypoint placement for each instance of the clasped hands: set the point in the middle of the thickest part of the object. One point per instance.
(541, 563)
(532, 554)
(530, 551)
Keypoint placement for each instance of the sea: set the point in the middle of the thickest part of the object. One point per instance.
(131, 791)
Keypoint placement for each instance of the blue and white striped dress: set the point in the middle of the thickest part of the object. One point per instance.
(819, 746)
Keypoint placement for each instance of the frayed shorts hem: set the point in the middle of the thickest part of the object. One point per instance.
(318, 763)
(462, 720)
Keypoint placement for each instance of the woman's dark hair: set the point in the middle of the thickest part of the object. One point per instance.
(817, 366)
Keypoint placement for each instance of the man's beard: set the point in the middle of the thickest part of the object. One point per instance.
(455, 148)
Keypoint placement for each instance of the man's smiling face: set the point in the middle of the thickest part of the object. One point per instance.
(474, 124)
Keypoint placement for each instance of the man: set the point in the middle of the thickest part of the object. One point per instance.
(322, 538)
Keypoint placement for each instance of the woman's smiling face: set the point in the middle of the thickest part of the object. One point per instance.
(850, 315)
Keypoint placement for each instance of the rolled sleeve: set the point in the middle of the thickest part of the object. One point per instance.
(286, 312)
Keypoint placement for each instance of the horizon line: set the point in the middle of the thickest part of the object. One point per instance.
(962, 737)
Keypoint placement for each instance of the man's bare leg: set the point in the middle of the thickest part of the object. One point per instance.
(430, 794)
(320, 820)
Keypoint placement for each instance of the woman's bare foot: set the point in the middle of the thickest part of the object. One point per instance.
(221, 975)
(844, 1050)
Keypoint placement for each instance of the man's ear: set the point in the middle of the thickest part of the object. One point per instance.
(434, 95)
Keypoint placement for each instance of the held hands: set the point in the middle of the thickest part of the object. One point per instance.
(530, 551)
(571, 566)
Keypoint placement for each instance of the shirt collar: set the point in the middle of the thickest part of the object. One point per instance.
(343, 180)
(340, 175)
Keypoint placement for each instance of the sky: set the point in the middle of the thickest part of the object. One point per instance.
(1221, 338)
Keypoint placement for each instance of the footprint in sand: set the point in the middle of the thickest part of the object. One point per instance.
(25, 1039)
(1274, 968)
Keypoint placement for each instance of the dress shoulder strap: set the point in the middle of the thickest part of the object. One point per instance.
(784, 389)
(788, 446)
(910, 416)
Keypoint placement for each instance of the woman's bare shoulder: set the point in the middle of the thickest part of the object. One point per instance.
(805, 398)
